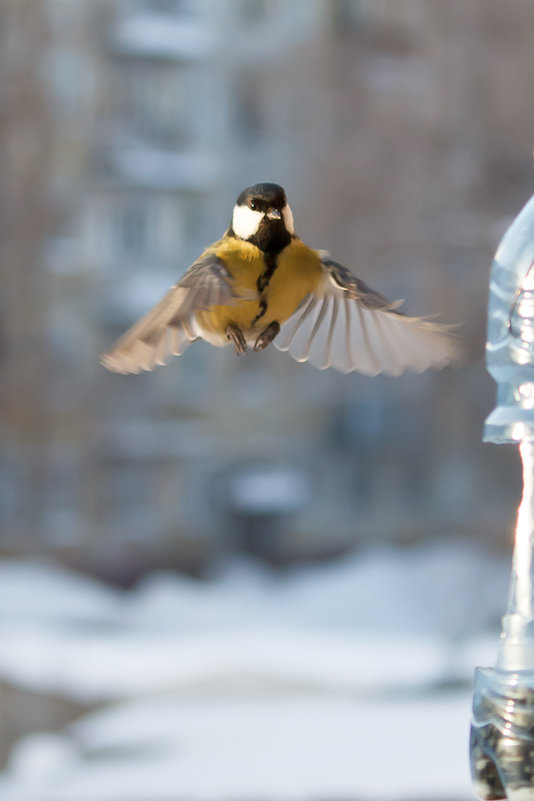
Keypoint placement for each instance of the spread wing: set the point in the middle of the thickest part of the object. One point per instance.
(168, 328)
(347, 325)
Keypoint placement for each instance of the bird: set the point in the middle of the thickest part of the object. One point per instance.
(261, 284)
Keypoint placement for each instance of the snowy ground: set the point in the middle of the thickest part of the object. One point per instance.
(331, 682)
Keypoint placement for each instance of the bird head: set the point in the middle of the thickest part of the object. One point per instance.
(262, 216)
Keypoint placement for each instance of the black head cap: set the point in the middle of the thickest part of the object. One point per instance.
(264, 196)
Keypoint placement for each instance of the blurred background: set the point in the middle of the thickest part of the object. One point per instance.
(247, 535)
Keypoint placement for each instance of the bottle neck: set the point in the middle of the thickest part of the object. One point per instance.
(517, 638)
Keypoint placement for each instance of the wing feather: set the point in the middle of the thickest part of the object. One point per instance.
(168, 328)
(331, 329)
(349, 356)
(348, 326)
(283, 342)
(163, 349)
(365, 333)
(302, 335)
(179, 340)
(311, 340)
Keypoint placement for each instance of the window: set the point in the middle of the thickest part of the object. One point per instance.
(153, 100)
(249, 121)
(132, 230)
(168, 7)
(70, 77)
(346, 15)
(65, 16)
(164, 6)
(253, 11)
(146, 228)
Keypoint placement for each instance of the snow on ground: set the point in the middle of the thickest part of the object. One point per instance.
(99, 667)
(44, 592)
(247, 749)
(321, 682)
(345, 624)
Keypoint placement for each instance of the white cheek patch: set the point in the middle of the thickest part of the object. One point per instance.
(245, 221)
(287, 214)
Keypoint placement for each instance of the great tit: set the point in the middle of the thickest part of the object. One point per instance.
(260, 284)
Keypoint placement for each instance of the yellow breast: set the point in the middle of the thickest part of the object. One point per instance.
(298, 272)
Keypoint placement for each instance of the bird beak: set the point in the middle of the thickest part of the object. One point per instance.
(274, 214)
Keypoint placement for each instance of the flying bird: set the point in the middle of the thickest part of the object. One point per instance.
(260, 284)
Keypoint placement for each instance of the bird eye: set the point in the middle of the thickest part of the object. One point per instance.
(252, 205)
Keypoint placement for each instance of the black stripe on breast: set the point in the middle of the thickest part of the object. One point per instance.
(262, 283)
(267, 273)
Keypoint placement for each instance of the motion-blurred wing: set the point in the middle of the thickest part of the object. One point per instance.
(168, 328)
(347, 325)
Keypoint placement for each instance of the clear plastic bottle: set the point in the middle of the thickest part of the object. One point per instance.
(502, 729)
(510, 342)
(502, 735)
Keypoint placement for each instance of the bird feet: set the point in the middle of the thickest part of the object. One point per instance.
(234, 334)
(267, 336)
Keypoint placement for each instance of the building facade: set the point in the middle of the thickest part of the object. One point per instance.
(129, 128)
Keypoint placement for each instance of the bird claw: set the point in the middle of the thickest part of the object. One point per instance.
(267, 336)
(234, 334)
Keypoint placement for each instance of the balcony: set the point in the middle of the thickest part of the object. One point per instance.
(155, 169)
(160, 36)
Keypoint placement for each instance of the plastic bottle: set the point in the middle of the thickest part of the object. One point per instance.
(502, 729)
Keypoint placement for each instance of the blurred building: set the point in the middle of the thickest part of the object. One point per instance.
(129, 126)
